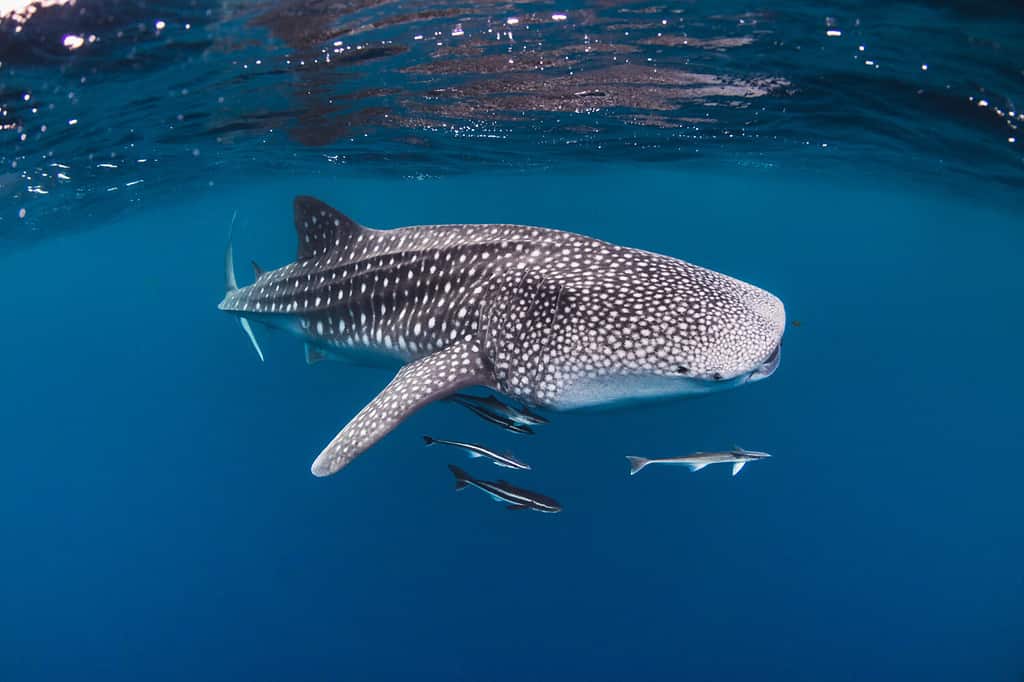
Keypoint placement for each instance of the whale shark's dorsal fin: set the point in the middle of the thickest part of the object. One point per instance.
(428, 379)
(256, 269)
(322, 229)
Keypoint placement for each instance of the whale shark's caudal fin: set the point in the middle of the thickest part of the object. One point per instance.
(428, 379)
(247, 328)
(231, 284)
(636, 464)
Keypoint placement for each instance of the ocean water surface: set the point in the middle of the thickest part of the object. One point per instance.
(157, 514)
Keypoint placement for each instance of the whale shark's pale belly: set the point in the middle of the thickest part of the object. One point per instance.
(615, 391)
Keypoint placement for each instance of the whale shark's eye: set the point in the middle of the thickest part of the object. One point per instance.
(682, 370)
(716, 376)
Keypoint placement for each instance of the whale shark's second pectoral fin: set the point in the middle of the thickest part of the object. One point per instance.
(416, 384)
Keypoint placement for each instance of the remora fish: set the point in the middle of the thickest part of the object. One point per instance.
(546, 317)
(518, 415)
(489, 416)
(697, 461)
(502, 460)
(503, 491)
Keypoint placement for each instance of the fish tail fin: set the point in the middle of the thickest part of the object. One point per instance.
(427, 440)
(461, 477)
(230, 283)
(636, 464)
(252, 337)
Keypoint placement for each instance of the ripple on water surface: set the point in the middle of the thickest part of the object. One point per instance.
(99, 108)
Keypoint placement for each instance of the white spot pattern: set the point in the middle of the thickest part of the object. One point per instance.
(418, 383)
(547, 311)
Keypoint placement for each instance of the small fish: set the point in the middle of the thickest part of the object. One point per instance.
(503, 491)
(697, 461)
(502, 460)
(487, 415)
(519, 415)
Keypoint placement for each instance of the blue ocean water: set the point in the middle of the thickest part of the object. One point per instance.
(157, 513)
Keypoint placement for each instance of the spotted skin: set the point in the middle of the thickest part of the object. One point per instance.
(550, 318)
(416, 384)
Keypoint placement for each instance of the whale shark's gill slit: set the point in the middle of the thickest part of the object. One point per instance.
(486, 324)
(546, 332)
(554, 314)
(536, 297)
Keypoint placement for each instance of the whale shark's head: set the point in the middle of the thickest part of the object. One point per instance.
(676, 330)
(729, 334)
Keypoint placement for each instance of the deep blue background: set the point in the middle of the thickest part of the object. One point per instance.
(158, 519)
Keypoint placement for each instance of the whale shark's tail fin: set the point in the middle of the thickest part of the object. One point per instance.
(636, 464)
(247, 328)
(231, 284)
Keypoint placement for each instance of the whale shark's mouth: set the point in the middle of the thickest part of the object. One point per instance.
(767, 367)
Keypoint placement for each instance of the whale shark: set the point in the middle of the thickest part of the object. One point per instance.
(549, 318)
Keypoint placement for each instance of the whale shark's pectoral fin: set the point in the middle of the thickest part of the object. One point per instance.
(416, 384)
